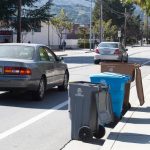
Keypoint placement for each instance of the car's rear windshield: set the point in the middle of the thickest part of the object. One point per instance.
(113, 45)
(16, 52)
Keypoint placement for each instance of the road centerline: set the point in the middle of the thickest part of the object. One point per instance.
(32, 120)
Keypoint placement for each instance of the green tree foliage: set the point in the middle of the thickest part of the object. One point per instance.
(7, 10)
(132, 34)
(110, 30)
(114, 10)
(83, 33)
(144, 4)
(32, 13)
(61, 23)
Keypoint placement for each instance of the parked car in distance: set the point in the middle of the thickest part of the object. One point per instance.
(113, 51)
(31, 67)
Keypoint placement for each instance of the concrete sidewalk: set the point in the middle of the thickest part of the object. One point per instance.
(133, 131)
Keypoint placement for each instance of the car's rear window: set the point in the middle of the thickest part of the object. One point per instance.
(112, 45)
(16, 52)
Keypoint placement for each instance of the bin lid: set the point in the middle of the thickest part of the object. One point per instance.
(109, 75)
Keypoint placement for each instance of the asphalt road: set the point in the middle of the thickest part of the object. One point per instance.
(27, 124)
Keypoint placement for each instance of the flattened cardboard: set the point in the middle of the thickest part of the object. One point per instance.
(128, 69)
(127, 95)
(139, 86)
(119, 67)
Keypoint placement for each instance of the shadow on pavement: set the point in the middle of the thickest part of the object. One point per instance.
(134, 120)
(129, 137)
(52, 98)
(142, 109)
(79, 59)
(96, 141)
(140, 61)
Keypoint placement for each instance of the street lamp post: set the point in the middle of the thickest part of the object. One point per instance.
(91, 1)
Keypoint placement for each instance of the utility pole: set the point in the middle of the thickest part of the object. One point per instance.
(91, 25)
(125, 26)
(49, 27)
(19, 22)
(48, 34)
(147, 29)
(101, 20)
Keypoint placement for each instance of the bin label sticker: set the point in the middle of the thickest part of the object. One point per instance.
(111, 69)
(79, 92)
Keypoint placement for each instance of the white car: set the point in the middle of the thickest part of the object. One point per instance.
(113, 51)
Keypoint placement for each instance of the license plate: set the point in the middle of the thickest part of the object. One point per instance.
(1, 70)
(106, 52)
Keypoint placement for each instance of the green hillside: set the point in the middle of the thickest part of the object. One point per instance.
(76, 13)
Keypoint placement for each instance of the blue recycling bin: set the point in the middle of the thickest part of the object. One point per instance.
(116, 83)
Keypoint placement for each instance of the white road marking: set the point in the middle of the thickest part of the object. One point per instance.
(31, 121)
(146, 63)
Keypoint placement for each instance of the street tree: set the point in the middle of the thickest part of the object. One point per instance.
(132, 34)
(114, 10)
(145, 5)
(119, 13)
(7, 10)
(110, 30)
(61, 24)
(29, 13)
(83, 34)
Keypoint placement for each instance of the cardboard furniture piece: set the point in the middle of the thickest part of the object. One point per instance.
(139, 86)
(129, 69)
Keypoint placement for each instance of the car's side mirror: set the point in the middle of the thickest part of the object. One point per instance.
(60, 58)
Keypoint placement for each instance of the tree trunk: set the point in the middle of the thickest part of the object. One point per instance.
(19, 22)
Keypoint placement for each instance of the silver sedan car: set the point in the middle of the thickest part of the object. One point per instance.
(31, 67)
(113, 51)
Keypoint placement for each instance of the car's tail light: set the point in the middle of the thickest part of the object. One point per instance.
(97, 51)
(117, 52)
(17, 71)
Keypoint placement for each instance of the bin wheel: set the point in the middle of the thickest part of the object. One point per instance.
(100, 132)
(85, 133)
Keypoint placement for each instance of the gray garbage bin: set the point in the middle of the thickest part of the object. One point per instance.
(83, 97)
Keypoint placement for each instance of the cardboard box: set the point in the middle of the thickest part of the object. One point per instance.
(117, 67)
(128, 69)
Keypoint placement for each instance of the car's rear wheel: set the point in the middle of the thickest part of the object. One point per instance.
(96, 61)
(64, 86)
(39, 94)
(126, 60)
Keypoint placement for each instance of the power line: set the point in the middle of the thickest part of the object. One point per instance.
(112, 10)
